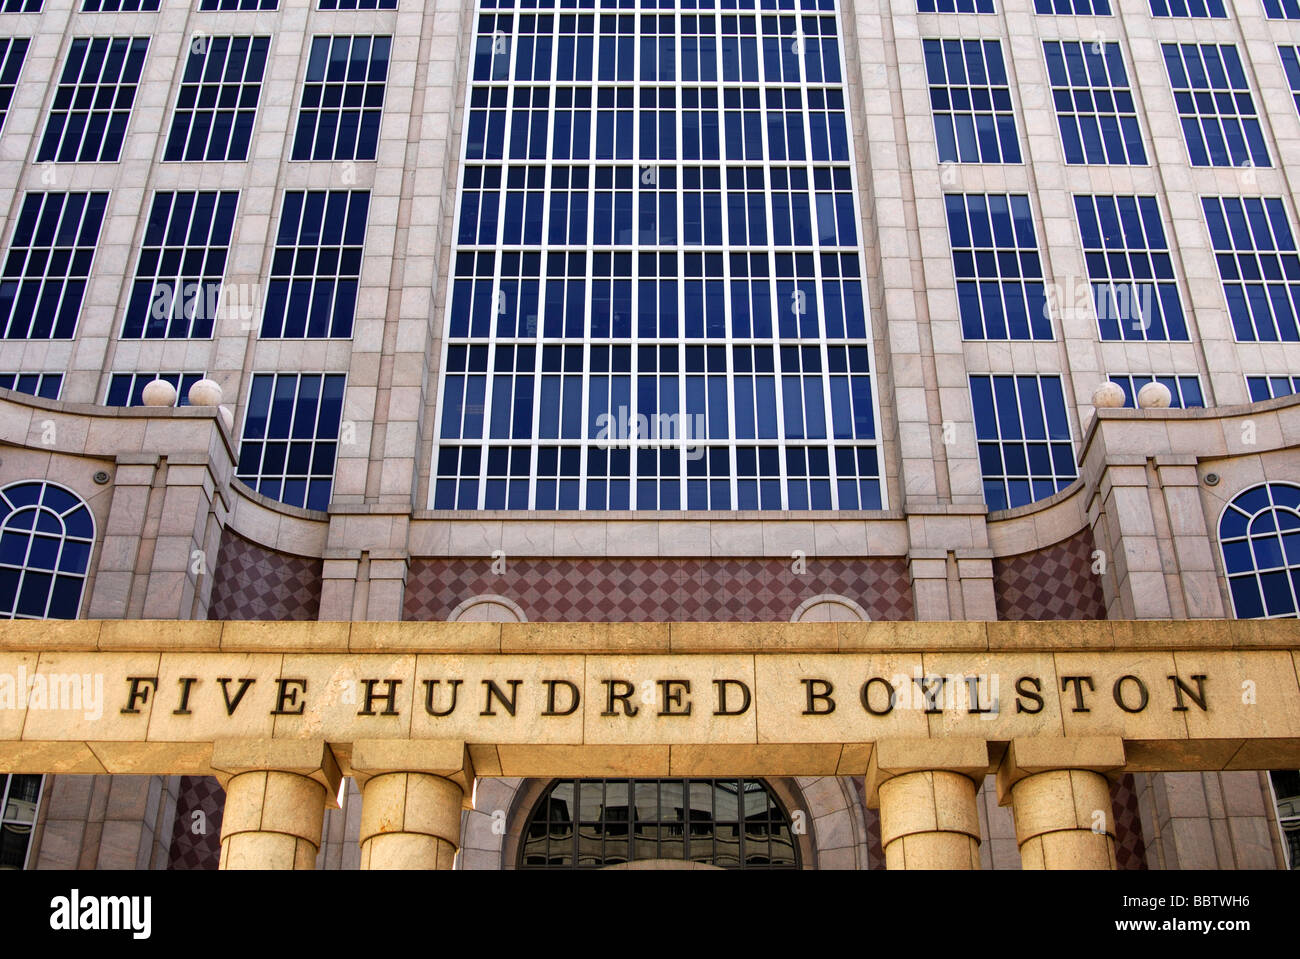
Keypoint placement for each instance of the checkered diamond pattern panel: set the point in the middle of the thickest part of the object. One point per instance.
(196, 839)
(658, 590)
(251, 582)
(1130, 847)
(1053, 583)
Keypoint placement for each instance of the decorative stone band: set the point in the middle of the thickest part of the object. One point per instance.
(654, 700)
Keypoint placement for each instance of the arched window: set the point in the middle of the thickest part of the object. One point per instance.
(46, 534)
(590, 823)
(1259, 534)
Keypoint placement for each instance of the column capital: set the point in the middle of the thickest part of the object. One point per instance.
(898, 757)
(309, 758)
(1029, 755)
(446, 758)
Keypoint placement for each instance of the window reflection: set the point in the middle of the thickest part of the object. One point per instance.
(731, 823)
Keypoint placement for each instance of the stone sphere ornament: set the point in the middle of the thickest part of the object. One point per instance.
(205, 393)
(158, 393)
(227, 417)
(1155, 396)
(1108, 396)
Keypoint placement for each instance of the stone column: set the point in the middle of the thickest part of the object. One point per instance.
(925, 790)
(412, 795)
(1060, 798)
(276, 793)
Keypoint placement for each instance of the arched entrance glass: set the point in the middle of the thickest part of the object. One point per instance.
(592, 823)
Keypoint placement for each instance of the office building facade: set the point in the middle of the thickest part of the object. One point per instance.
(658, 312)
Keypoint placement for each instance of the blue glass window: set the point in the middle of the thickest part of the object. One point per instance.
(239, 4)
(954, 6)
(1184, 391)
(657, 260)
(1073, 8)
(1094, 106)
(177, 288)
(1214, 105)
(218, 98)
(291, 436)
(92, 103)
(1134, 291)
(342, 99)
(358, 4)
(46, 535)
(971, 101)
(1291, 66)
(127, 389)
(1023, 435)
(1203, 9)
(1282, 9)
(1271, 387)
(1258, 264)
(1259, 534)
(1000, 292)
(13, 50)
(20, 6)
(119, 6)
(45, 385)
(48, 264)
(316, 266)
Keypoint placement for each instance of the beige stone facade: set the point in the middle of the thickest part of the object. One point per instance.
(179, 539)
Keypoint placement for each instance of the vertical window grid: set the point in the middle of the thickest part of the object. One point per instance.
(291, 436)
(1291, 66)
(358, 5)
(1023, 435)
(20, 6)
(342, 99)
(178, 278)
(1000, 290)
(1134, 290)
(1282, 9)
(1258, 264)
(217, 103)
(44, 385)
(1215, 105)
(48, 264)
(688, 151)
(92, 102)
(127, 389)
(1094, 105)
(316, 265)
(1184, 391)
(13, 51)
(970, 97)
